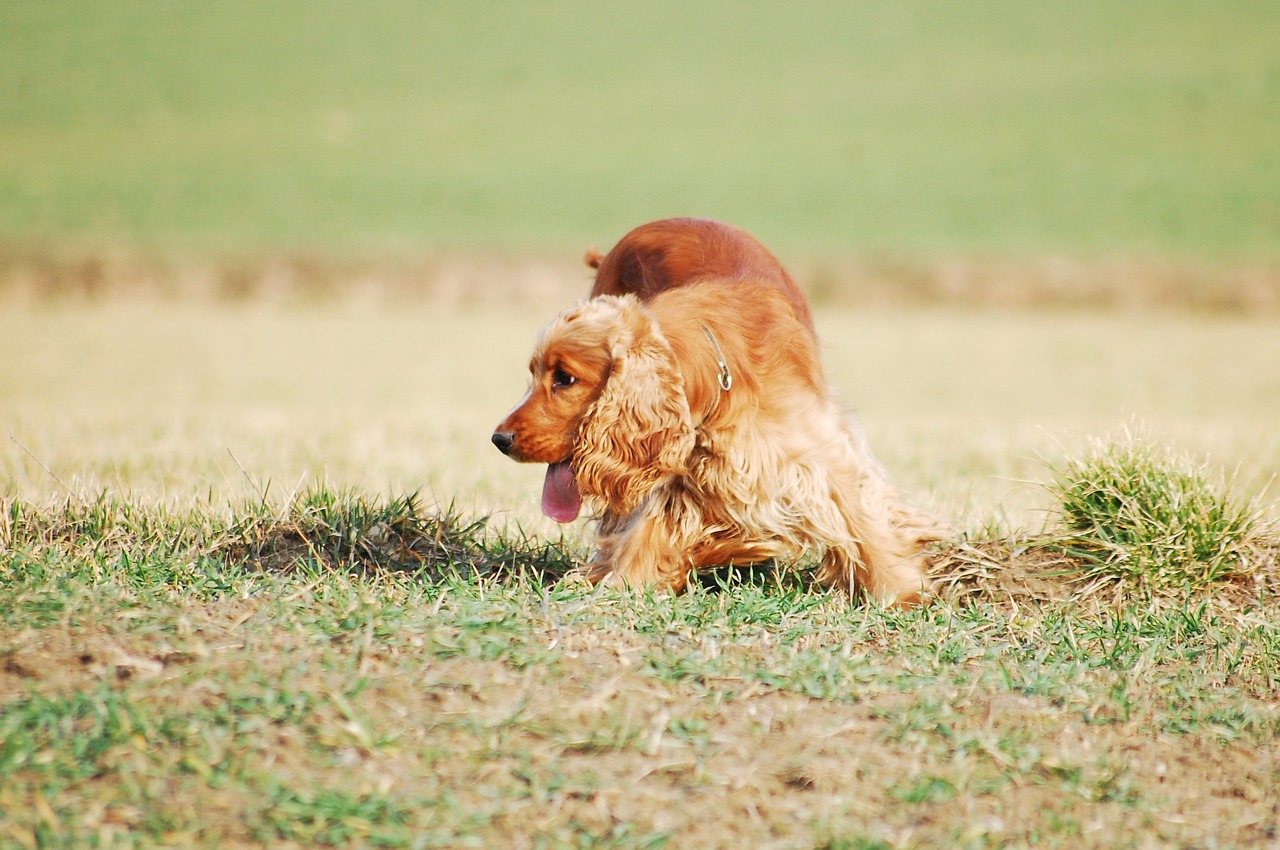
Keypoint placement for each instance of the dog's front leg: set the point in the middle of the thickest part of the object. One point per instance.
(648, 548)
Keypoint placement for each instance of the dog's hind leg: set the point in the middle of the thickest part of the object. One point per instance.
(877, 561)
(869, 547)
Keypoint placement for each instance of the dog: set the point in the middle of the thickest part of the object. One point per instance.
(676, 252)
(697, 422)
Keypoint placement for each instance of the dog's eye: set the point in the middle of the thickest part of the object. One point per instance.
(561, 379)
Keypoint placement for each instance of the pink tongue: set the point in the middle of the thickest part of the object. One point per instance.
(560, 497)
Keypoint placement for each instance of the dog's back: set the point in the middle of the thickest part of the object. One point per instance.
(677, 252)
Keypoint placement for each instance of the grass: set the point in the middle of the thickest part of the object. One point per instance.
(830, 129)
(1139, 510)
(211, 687)
(214, 633)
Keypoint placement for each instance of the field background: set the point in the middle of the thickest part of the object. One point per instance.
(829, 128)
(269, 270)
(182, 403)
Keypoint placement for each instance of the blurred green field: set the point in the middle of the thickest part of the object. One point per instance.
(830, 128)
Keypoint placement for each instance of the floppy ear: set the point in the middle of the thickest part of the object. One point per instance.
(639, 430)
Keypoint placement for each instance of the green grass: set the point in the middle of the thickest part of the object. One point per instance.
(200, 688)
(829, 128)
(1145, 512)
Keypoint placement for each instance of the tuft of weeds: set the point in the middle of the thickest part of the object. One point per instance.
(1145, 513)
(323, 528)
(351, 531)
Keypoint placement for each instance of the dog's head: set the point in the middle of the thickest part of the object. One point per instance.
(606, 409)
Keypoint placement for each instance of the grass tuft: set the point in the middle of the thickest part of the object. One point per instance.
(333, 530)
(351, 531)
(1141, 512)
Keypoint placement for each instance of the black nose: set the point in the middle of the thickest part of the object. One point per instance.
(503, 440)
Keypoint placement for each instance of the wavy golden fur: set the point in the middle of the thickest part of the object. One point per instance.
(628, 409)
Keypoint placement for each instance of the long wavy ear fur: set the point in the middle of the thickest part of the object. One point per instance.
(639, 431)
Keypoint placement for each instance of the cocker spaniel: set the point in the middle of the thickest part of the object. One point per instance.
(699, 425)
(676, 252)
